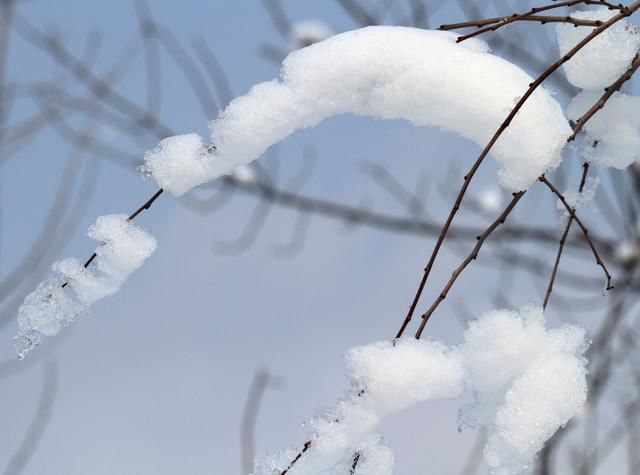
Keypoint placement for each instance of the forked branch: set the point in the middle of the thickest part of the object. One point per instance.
(585, 231)
(497, 23)
(471, 257)
(563, 240)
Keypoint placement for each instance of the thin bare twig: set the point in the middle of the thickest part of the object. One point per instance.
(518, 17)
(563, 240)
(532, 18)
(471, 257)
(584, 229)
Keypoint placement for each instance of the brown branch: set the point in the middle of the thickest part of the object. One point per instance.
(519, 17)
(471, 257)
(467, 179)
(608, 93)
(533, 18)
(563, 240)
(584, 229)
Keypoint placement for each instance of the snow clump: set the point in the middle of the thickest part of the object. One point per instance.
(612, 135)
(383, 72)
(524, 381)
(606, 57)
(44, 312)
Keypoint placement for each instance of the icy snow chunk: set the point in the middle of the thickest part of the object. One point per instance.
(612, 135)
(307, 32)
(124, 247)
(48, 308)
(88, 286)
(527, 382)
(44, 312)
(383, 72)
(544, 398)
(604, 59)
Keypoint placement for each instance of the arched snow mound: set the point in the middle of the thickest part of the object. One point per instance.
(384, 72)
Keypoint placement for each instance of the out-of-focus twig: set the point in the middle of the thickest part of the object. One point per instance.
(36, 429)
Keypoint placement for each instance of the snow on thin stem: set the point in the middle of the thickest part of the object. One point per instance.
(50, 308)
(524, 382)
(147, 204)
(420, 76)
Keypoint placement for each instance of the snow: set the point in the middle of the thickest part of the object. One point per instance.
(307, 32)
(524, 382)
(383, 72)
(612, 135)
(388, 379)
(604, 59)
(397, 377)
(44, 312)
(180, 161)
